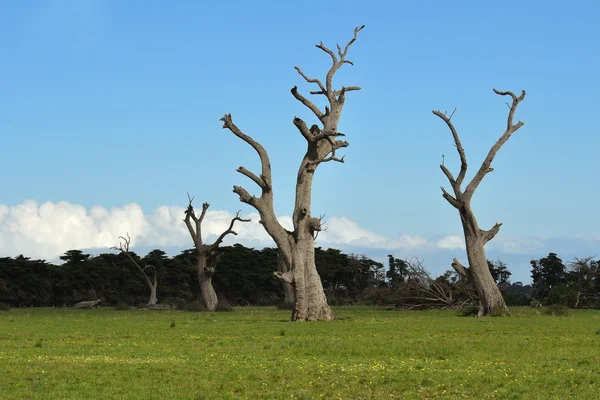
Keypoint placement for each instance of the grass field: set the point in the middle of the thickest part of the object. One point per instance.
(253, 353)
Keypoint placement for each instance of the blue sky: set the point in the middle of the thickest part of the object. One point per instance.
(107, 103)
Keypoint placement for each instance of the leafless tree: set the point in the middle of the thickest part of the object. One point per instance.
(152, 283)
(207, 255)
(490, 298)
(297, 247)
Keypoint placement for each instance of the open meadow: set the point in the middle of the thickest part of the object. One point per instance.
(254, 353)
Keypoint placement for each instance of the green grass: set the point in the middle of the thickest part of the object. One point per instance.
(253, 353)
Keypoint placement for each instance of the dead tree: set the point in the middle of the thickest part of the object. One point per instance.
(491, 301)
(152, 283)
(297, 247)
(424, 292)
(88, 304)
(207, 255)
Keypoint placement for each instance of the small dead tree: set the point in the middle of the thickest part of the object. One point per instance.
(152, 283)
(490, 298)
(297, 248)
(207, 255)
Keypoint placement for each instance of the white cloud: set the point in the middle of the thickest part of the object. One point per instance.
(451, 242)
(49, 229)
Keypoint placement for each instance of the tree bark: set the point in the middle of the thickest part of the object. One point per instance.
(152, 285)
(288, 288)
(296, 248)
(491, 301)
(209, 296)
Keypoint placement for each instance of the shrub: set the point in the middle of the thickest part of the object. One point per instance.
(4, 307)
(516, 299)
(469, 311)
(122, 306)
(224, 305)
(195, 305)
(557, 310)
(563, 294)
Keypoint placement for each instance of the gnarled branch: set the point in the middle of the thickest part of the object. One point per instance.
(461, 269)
(459, 148)
(229, 230)
(285, 276)
(335, 97)
(489, 235)
(190, 215)
(510, 129)
(449, 198)
(265, 175)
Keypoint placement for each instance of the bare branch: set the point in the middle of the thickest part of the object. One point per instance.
(510, 129)
(326, 135)
(229, 230)
(311, 80)
(334, 146)
(333, 96)
(195, 232)
(356, 30)
(461, 269)
(457, 143)
(449, 198)
(301, 125)
(326, 50)
(489, 235)
(262, 153)
(513, 107)
(285, 276)
(258, 180)
(245, 197)
(449, 176)
(307, 103)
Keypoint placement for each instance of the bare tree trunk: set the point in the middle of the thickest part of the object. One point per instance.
(288, 288)
(491, 301)
(153, 299)
(297, 247)
(209, 296)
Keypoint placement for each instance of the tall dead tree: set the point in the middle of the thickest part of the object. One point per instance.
(297, 248)
(152, 283)
(207, 255)
(491, 301)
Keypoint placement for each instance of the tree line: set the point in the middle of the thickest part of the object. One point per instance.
(246, 277)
